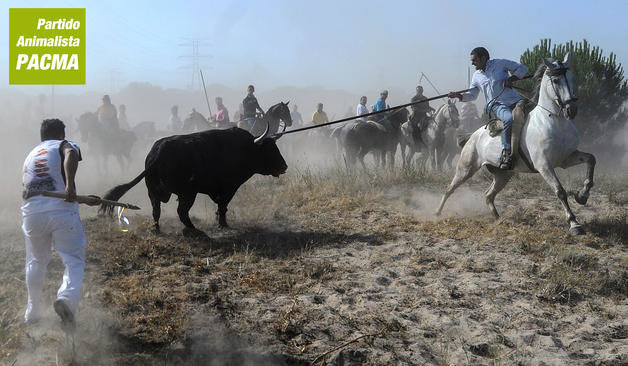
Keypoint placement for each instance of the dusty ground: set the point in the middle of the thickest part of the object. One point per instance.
(331, 267)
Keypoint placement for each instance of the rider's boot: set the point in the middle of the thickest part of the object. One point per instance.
(505, 161)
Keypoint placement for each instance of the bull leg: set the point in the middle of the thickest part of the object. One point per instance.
(221, 213)
(186, 201)
(576, 158)
(500, 178)
(156, 203)
(548, 173)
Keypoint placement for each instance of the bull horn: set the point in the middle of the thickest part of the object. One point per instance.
(260, 138)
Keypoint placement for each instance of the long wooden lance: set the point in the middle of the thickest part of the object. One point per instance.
(90, 200)
(206, 98)
(278, 134)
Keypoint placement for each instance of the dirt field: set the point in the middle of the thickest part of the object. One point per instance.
(325, 266)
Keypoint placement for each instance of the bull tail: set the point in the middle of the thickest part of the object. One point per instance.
(117, 192)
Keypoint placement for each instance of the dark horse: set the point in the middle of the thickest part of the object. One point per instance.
(275, 115)
(381, 137)
(195, 122)
(104, 142)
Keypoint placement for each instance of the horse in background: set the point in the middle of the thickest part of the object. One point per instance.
(106, 141)
(432, 136)
(275, 116)
(549, 139)
(195, 122)
(358, 138)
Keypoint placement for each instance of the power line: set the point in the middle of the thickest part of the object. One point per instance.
(195, 60)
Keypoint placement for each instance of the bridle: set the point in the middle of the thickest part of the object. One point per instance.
(560, 71)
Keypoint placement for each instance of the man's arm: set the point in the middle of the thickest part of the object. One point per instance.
(70, 165)
(467, 96)
(515, 68)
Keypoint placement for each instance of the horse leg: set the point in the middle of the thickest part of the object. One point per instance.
(548, 173)
(579, 157)
(464, 170)
(360, 157)
(402, 147)
(500, 178)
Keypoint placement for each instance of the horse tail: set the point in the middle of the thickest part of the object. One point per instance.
(117, 192)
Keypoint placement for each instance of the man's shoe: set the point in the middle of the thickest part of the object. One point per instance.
(64, 312)
(505, 161)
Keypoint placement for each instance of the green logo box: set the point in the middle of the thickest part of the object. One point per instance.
(46, 46)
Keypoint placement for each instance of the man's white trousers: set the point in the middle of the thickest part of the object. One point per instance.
(63, 231)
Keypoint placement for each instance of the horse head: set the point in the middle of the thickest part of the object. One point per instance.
(558, 84)
(280, 112)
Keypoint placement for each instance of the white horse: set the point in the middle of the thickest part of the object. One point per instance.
(433, 136)
(549, 139)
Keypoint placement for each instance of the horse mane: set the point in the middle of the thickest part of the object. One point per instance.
(538, 77)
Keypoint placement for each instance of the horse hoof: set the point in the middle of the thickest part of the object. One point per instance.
(576, 230)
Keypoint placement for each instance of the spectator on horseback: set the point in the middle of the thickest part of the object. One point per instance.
(319, 116)
(380, 105)
(174, 122)
(108, 115)
(297, 119)
(250, 106)
(492, 78)
(122, 120)
(222, 114)
(362, 109)
(419, 115)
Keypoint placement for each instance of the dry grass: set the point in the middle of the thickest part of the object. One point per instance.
(286, 277)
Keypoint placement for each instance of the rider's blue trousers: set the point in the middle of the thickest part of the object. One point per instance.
(504, 113)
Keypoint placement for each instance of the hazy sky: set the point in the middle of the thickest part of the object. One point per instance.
(351, 45)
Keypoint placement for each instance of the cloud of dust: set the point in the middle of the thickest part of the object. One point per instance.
(422, 204)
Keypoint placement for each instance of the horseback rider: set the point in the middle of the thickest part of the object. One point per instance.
(362, 109)
(174, 122)
(295, 115)
(319, 116)
(222, 114)
(250, 106)
(380, 105)
(419, 115)
(108, 115)
(469, 117)
(492, 78)
(122, 119)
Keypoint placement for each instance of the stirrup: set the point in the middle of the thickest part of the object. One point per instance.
(505, 161)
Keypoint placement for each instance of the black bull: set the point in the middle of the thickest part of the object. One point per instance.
(214, 162)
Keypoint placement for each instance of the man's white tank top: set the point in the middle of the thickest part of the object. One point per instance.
(43, 171)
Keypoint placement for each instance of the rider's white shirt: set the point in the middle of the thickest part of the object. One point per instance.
(362, 109)
(491, 82)
(43, 172)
